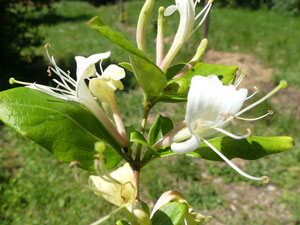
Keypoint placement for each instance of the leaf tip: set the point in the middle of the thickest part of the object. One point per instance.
(92, 21)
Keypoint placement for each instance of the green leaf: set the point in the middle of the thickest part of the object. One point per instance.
(249, 148)
(177, 89)
(139, 138)
(169, 214)
(225, 73)
(160, 127)
(67, 129)
(116, 37)
(173, 70)
(126, 66)
(149, 76)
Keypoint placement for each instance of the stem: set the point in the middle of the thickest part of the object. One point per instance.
(147, 108)
(137, 164)
(136, 171)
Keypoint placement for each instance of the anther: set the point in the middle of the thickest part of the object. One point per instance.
(74, 163)
(49, 71)
(47, 45)
(266, 179)
(270, 112)
(249, 132)
(227, 115)
(256, 89)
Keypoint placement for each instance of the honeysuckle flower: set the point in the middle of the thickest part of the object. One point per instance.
(210, 107)
(191, 217)
(188, 17)
(119, 188)
(76, 90)
(104, 86)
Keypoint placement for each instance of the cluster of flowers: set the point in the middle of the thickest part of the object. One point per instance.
(211, 105)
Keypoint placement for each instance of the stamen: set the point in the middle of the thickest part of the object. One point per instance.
(233, 135)
(256, 92)
(100, 64)
(233, 166)
(270, 112)
(204, 17)
(195, 3)
(202, 11)
(47, 46)
(227, 115)
(282, 84)
(266, 179)
(241, 77)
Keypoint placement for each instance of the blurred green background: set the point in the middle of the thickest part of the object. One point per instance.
(262, 36)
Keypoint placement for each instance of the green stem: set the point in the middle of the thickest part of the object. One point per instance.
(137, 164)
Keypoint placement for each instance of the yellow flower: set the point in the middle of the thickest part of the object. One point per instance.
(118, 187)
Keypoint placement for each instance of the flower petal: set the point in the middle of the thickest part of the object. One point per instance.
(113, 72)
(170, 10)
(101, 90)
(119, 188)
(209, 100)
(186, 146)
(86, 66)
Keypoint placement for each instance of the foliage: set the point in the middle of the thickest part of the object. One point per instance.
(18, 35)
(14, 108)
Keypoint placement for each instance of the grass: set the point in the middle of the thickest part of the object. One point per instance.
(36, 189)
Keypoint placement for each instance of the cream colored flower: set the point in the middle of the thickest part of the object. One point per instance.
(104, 86)
(118, 187)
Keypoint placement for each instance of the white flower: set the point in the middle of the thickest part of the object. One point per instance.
(210, 107)
(104, 86)
(118, 187)
(186, 9)
(76, 90)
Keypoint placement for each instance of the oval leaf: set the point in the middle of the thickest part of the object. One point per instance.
(160, 127)
(149, 76)
(225, 73)
(249, 148)
(67, 129)
(169, 214)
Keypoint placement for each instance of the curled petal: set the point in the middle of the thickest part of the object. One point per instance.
(114, 72)
(119, 188)
(186, 146)
(86, 66)
(170, 10)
